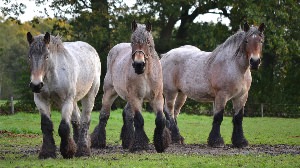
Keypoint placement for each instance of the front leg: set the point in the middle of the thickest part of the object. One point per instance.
(162, 135)
(127, 132)
(215, 139)
(238, 139)
(48, 147)
(140, 139)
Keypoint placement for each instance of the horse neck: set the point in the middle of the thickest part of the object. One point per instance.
(234, 54)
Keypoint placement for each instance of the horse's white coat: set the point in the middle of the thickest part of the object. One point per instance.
(216, 76)
(73, 73)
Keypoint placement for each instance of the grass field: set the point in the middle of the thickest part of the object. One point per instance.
(23, 132)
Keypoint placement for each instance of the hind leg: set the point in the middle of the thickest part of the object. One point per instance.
(75, 120)
(170, 99)
(98, 137)
(238, 139)
(127, 132)
(181, 98)
(48, 147)
(84, 141)
(215, 139)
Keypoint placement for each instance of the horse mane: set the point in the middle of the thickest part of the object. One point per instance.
(232, 47)
(141, 35)
(55, 45)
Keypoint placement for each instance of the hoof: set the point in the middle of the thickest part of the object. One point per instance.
(81, 152)
(98, 141)
(69, 150)
(178, 140)
(216, 143)
(162, 139)
(47, 151)
(139, 144)
(240, 143)
(47, 155)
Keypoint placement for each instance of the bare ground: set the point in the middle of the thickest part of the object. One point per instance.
(198, 149)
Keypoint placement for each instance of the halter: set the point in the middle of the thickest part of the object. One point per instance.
(145, 55)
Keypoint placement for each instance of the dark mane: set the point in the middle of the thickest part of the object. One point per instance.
(232, 47)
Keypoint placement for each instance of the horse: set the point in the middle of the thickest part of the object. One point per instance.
(62, 73)
(218, 76)
(134, 73)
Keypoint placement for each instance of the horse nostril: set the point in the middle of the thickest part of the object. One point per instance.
(258, 61)
(41, 84)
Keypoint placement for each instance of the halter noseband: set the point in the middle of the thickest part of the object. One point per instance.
(145, 55)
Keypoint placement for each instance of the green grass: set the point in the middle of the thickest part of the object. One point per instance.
(195, 129)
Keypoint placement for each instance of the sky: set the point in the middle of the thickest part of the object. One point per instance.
(32, 10)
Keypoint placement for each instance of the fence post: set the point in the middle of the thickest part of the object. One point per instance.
(12, 105)
(262, 109)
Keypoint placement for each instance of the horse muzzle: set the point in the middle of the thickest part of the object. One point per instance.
(139, 67)
(254, 63)
(36, 88)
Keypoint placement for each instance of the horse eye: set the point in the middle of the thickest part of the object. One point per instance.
(246, 41)
(261, 41)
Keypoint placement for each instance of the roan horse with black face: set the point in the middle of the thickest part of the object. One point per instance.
(134, 73)
(63, 74)
(218, 76)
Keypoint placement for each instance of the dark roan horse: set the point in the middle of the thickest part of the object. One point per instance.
(64, 73)
(217, 76)
(134, 73)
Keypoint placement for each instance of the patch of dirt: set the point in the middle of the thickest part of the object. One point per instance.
(11, 134)
(197, 149)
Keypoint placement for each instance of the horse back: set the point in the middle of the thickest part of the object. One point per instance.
(81, 66)
(185, 70)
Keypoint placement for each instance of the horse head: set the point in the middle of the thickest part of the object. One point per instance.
(253, 44)
(38, 55)
(141, 43)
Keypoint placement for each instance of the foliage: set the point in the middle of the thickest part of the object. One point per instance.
(105, 23)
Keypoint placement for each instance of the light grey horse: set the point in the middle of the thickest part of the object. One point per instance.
(64, 73)
(134, 73)
(218, 76)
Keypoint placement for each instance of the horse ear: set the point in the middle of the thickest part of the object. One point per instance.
(47, 38)
(29, 38)
(148, 26)
(261, 28)
(246, 27)
(133, 25)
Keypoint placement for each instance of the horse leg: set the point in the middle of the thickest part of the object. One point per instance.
(67, 145)
(98, 137)
(162, 135)
(75, 120)
(181, 98)
(238, 139)
(48, 147)
(141, 140)
(127, 132)
(170, 98)
(84, 142)
(215, 139)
